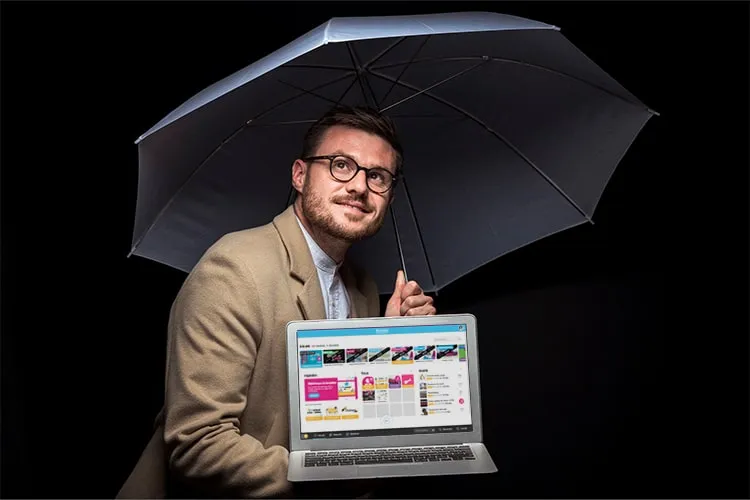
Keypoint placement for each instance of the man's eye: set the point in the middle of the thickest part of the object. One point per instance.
(341, 165)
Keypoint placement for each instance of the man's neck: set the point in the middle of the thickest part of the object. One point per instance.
(333, 247)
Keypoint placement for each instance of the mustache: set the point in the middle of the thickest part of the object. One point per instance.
(359, 200)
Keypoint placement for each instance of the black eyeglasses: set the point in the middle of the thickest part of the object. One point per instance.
(344, 169)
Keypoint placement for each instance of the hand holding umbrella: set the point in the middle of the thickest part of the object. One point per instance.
(409, 299)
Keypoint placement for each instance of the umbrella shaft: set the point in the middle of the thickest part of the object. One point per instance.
(398, 242)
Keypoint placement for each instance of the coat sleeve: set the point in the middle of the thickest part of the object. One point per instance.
(214, 335)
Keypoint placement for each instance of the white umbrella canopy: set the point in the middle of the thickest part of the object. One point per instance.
(510, 134)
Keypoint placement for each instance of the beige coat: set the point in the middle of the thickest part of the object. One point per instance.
(225, 423)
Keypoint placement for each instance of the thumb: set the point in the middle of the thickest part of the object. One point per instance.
(393, 308)
(400, 282)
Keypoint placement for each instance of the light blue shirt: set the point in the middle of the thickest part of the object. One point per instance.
(335, 296)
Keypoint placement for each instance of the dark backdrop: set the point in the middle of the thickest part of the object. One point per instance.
(613, 356)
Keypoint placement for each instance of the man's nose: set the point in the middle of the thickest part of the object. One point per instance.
(358, 184)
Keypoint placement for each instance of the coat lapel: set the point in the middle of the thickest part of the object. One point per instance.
(310, 299)
(304, 276)
(305, 282)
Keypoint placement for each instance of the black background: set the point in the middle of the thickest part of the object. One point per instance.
(613, 356)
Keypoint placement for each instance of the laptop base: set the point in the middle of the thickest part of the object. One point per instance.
(482, 464)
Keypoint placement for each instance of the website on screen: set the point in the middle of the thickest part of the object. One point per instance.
(383, 381)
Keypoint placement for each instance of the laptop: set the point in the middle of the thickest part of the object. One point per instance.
(385, 397)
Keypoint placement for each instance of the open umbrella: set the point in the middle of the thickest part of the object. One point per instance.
(510, 134)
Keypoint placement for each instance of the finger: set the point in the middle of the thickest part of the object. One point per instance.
(426, 310)
(411, 288)
(415, 301)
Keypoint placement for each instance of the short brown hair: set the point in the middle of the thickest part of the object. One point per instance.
(359, 117)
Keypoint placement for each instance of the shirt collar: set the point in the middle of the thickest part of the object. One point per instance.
(321, 259)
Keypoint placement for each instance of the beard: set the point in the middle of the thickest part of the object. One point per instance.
(315, 210)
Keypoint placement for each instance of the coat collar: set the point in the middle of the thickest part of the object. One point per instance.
(304, 274)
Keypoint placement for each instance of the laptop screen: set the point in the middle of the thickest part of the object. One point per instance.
(357, 382)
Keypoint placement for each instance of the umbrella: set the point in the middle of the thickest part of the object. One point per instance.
(510, 134)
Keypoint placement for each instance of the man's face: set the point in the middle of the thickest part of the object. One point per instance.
(348, 211)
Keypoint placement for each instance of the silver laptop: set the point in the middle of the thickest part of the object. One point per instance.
(385, 397)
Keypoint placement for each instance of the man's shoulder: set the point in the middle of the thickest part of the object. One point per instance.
(247, 239)
(250, 246)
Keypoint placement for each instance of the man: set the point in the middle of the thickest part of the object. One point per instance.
(224, 430)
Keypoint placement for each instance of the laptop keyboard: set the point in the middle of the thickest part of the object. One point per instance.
(376, 456)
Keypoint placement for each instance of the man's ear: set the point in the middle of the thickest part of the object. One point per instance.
(299, 172)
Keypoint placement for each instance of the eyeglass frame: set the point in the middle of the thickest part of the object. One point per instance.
(330, 158)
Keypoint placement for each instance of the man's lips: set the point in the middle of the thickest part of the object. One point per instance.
(352, 204)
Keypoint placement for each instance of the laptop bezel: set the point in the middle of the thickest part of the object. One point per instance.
(427, 439)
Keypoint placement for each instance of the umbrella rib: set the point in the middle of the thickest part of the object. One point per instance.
(384, 52)
(216, 150)
(307, 91)
(445, 80)
(317, 66)
(419, 233)
(359, 71)
(297, 96)
(515, 61)
(354, 80)
(493, 132)
(403, 70)
(372, 92)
